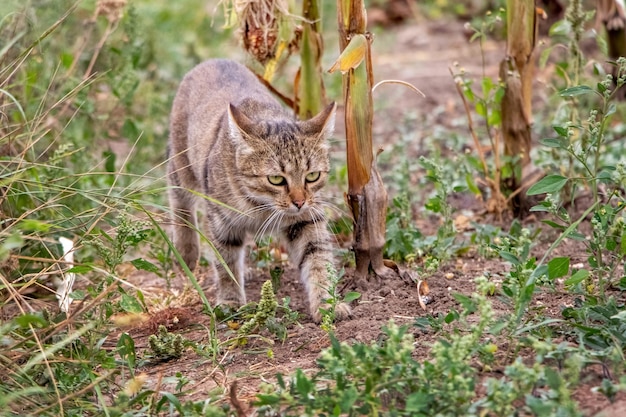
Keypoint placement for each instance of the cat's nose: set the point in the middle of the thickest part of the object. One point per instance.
(298, 203)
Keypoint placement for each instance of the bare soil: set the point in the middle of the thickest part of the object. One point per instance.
(420, 53)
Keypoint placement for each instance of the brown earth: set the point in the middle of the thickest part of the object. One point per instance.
(420, 53)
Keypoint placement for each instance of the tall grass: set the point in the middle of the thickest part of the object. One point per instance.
(83, 120)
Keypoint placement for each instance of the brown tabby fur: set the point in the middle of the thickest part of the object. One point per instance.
(228, 138)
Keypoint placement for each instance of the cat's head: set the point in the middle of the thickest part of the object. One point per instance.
(282, 163)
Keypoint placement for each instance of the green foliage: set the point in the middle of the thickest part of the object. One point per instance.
(333, 299)
(403, 237)
(165, 345)
(384, 379)
(265, 310)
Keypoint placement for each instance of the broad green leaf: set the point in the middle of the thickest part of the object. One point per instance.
(351, 296)
(303, 385)
(544, 206)
(612, 109)
(267, 399)
(34, 225)
(560, 130)
(509, 257)
(558, 143)
(471, 184)
(78, 295)
(130, 304)
(579, 90)
(578, 277)
(481, 110)
(417, 402)
(560, 28)
(558, 267)
(144, 265)
(80, 269)
(348, 398)
(548, 184)
(540, 271)
(28, 319)
(126, 349)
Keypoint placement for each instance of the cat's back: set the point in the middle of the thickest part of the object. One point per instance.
(219, 82)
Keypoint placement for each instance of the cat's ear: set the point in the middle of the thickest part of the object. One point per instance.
(239, 124)
(323, 124)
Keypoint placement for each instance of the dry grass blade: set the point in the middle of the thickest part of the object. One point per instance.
(406, 84)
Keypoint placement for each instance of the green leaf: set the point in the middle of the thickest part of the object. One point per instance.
(548, 184)
(144, 265)
(579, 90)
(539, 271)
(557, 143)
(553, 224)
(78, 295)
(612, 109)
(481, 110)
(33, 225)
(545, 55)
(80, 269)
(267, 399)
(578, 277)
(351, 296)
(560, 130)
(130, 304)
(558, 267)
(560, 28)
(471, 184)
(509, 257)
(348, 398)
(171, 399)
(303, 384)
(545, 207)
(417, 402)
(126, 350)
(28, 319)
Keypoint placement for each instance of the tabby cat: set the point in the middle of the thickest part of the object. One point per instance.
(233, 142)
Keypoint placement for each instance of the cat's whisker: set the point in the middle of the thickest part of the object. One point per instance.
(317, 214)
(333, 208)
(264, 227)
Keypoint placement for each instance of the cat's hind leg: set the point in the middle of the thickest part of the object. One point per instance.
(184, 219)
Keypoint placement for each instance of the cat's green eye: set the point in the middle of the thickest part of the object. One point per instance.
(276, 180)
(312, 176)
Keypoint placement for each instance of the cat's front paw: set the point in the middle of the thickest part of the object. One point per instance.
(342, 312)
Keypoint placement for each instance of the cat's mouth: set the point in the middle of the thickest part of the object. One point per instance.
(295, 211)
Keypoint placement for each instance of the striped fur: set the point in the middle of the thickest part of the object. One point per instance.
(232, 141)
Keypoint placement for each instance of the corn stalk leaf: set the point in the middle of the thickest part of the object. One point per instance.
(352, 56)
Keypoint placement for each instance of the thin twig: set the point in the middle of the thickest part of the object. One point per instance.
(470, 124)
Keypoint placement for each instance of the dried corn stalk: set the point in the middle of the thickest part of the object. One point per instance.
(516, 72)
(366, 196)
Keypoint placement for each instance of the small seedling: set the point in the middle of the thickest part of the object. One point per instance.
(333, 300)
(165, 345)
